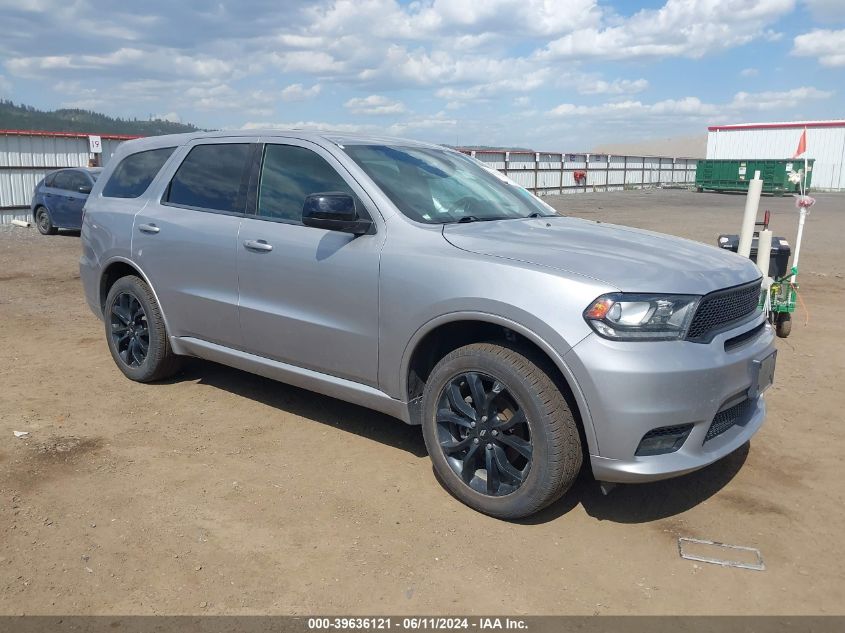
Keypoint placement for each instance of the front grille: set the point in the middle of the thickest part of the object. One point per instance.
(737, 414)
(721, 308)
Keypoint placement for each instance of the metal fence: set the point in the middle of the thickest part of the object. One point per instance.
(26, 157)
(555, 173)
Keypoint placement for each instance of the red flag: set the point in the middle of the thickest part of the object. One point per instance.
(802, 144)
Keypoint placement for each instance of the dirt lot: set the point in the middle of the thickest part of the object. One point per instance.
(222, 492)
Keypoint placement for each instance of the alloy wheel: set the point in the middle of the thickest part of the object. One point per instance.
(484, 434)
(129, 329)
(43, 221)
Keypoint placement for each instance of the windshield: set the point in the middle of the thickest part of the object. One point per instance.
(439, 186)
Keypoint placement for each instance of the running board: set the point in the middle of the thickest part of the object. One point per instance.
(325, 384)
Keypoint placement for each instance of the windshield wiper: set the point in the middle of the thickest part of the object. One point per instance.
(474, 218)
(536, 214)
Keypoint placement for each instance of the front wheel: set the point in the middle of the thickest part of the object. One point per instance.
(135, 332)
(44, 222)
(783, 324)
(500, 434)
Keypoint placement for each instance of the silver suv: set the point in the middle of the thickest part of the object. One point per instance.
(413, 280)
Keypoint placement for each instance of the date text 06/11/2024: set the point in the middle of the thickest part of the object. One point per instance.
(416, 623)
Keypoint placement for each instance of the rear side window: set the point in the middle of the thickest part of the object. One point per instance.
(288, 175)
(212, 177)
(135, 173)
(76, 180)
(62, 180)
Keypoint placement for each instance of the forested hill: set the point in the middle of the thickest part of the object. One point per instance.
(24, 117)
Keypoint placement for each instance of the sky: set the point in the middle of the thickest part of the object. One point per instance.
(562, 75)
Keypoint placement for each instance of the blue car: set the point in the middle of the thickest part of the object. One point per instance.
(58, 199)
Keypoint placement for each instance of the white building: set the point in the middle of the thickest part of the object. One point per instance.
(825, 143)
(26, 156)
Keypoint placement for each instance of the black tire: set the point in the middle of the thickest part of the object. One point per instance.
(555, 443)
(783, 324)
(132, 311)
(44, 222)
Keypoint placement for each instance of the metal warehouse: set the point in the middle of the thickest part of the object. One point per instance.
(27, 156)
(825, 143)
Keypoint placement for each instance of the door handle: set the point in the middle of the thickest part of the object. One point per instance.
(258, 245)
(148, 228)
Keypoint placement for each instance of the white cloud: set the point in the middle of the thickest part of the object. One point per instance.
(437, 122)
(826, 10)
(693, 107)
(5, 87)
(132, 61)
(315, 126)
(686, 107)
(680, 28)
(173, 117)
(749, 72)
(828, 47)
(374, 104)
(185, 94)
(311, 62)
(297, 92)
(773, 100)
(444, 18)
(615, 87)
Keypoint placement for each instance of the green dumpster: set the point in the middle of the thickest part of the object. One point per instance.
(733, 175)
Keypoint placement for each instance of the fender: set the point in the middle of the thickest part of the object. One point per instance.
(532, 336)
(125, 260)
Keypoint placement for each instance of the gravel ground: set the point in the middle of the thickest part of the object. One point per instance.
(222, 492)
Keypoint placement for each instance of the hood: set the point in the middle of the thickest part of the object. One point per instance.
(631, 260)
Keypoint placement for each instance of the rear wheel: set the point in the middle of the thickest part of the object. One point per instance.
(135, 332)
(499, 432)
(44, 222)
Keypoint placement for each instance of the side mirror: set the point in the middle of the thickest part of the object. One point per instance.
(334, 211)
(86, 189)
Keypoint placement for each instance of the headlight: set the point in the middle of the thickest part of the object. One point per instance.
(639, 317)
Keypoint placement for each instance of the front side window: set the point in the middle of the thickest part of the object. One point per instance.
(134, 174)
(438, 186)
(212, 177)
(288, 175)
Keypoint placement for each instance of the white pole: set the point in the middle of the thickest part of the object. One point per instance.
(802, 214)
(752, 203)
(804, 191)
(764, 251)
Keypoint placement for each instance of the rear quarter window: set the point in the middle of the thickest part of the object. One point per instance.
(134, 174)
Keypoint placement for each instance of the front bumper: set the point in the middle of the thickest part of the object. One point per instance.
(632, 388)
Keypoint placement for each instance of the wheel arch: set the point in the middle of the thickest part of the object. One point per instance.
(446, 333)
(117, 268)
